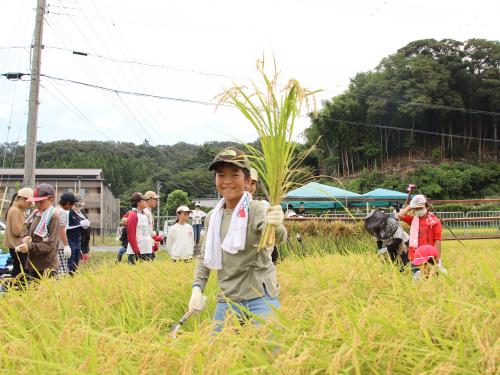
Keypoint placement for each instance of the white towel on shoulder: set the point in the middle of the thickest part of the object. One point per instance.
(236, 235)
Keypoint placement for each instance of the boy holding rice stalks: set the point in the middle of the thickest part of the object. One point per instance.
(245, 273)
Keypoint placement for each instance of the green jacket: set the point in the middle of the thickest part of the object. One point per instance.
(244, 274)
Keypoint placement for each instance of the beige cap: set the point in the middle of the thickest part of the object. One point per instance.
(254, 175)
(182, 209)
(418, 201)
(25, 192)
(151, 195)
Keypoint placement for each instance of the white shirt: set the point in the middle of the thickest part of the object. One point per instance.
(143, 233)
(197, 215)
(149, 214)
(180, 241)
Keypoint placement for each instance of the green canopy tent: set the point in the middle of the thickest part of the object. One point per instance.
(319, 196)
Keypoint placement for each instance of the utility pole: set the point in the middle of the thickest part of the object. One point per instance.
(158, 185)
(30, 147)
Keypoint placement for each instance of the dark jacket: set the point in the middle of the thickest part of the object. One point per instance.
(124, 237)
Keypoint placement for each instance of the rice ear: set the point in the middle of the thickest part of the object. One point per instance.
(272, 114)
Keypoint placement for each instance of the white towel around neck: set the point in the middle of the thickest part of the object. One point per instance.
(236, 235)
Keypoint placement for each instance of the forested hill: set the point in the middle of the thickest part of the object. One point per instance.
(129, 167)
(428, 114)
(432, 100)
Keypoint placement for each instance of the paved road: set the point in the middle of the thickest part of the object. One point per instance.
(100, 249)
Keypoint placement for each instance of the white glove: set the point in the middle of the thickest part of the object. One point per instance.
(197, 301)
(382, 251)
(275, 215)
(85, 223)
(67, 251)
(441, 268)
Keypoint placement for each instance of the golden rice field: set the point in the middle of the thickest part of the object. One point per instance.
(340, 314)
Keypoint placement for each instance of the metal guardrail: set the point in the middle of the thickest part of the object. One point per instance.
(472, 225)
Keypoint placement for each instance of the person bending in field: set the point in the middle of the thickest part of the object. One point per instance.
(245, 274)
(425, 227)
(391, 238)
(425, 260)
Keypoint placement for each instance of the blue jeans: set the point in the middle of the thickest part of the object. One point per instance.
(74, 259)
(196, 232)
(261, 307)
(121, 251)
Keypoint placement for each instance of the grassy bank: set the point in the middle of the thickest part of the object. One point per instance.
(340, 314)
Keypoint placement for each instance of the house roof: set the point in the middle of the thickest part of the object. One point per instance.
(75, 173)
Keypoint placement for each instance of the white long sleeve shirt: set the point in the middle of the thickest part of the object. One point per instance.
(197, 215)
(180, 241)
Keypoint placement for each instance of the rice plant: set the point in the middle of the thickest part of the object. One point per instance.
(340, 314)
(272, 112)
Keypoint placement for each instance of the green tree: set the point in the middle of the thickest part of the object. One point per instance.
(175, 199)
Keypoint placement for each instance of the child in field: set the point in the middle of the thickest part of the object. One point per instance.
(426, 257)
(14, 219)
(66, 202)
(123, 240)
(180, 239)
(425, 227)
(140, 241)
(41, 240)
(245, 274)
(197, 216)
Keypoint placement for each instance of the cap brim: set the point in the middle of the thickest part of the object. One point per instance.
(419, 205)
(37, 199)
(421, 260)
(213, 166)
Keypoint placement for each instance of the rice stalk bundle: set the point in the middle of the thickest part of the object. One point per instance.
(272, 113)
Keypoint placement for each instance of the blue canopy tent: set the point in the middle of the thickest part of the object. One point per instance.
(320, 196)
(382, 197)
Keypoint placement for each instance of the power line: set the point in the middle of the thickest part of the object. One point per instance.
(219, 75)
(142, 81)
(152, 65)
(437, 106)
(89, 71)
(133, 93)
(74, 109)
(190, 101)
(406, 129)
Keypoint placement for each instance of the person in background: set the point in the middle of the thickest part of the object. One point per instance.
(66, 203)
(76, 223)
(180, 239)
(14, 220)
(245, 274)
(290, 212)
(140, 241)
(123, 239)
(425, 227)
(79, 208)
(197, 216)
(152, 202)
(41, 240)
(391, 238)
(302, 209)
(252, 189)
